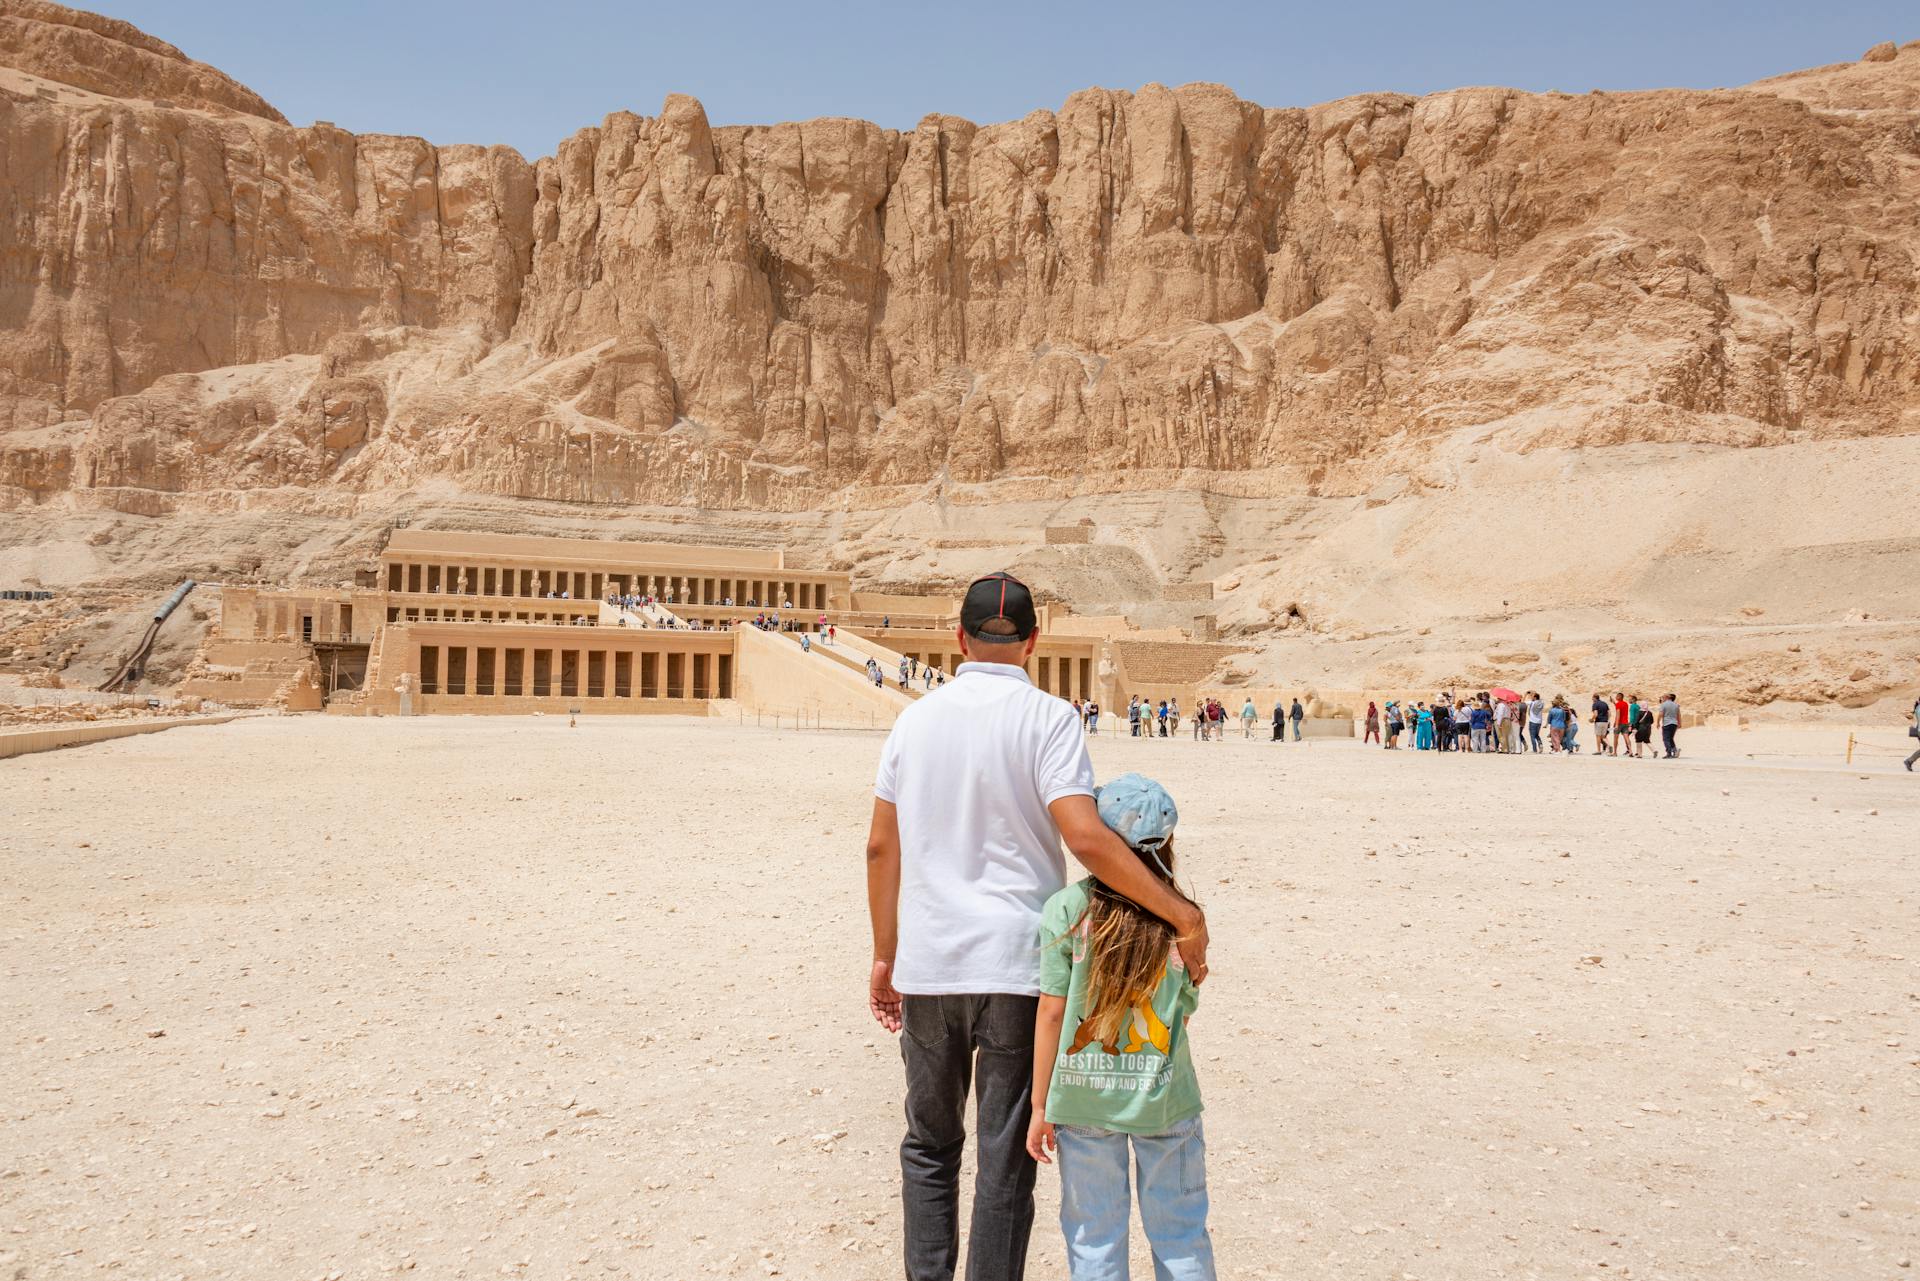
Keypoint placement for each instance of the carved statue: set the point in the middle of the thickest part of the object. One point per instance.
(1107, 678)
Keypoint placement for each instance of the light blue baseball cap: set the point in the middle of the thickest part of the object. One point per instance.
(1138, 808)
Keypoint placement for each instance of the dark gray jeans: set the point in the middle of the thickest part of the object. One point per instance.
(949, 1043)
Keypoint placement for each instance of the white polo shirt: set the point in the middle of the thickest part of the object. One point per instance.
(972, 768)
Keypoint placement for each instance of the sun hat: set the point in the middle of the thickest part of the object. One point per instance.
(1138, 808)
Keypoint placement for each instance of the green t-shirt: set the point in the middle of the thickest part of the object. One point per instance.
(1148, 1087)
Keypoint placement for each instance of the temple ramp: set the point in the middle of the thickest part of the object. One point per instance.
(774, 677)
(863, 645)
(854, 659)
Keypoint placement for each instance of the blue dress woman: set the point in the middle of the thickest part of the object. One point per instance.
(1423, 731)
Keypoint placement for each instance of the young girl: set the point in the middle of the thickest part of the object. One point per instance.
(1124, 1080)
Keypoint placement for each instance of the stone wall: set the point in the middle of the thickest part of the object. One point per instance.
(26, 741)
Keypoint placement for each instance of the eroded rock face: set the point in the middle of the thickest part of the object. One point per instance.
(115, 59)
(199, 297)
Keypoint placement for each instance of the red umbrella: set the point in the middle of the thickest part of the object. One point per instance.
(1505, 695)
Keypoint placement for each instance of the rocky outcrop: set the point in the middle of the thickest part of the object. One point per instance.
(197, 298)
(116, 59)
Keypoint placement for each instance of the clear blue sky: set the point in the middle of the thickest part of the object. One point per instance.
(529, 74)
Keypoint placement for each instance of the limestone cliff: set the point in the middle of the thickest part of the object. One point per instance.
(198, 298)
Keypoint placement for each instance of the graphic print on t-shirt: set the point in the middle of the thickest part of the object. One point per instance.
(1142, 1025)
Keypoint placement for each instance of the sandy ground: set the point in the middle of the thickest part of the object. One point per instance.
(314, 997)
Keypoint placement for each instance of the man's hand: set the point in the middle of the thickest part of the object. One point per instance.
(1040, 1139)
(1103, 853)
(1192, 945)
(883, 1000)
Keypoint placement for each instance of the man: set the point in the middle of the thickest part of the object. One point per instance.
(1296, 716)
(975, 791)
(1913, 730)
(1670, 728)
(1622, 723)
(1133, 716)
(1601, 717)
(1536, 716)
(1248, 715)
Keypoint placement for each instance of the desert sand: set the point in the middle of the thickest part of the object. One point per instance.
(318, 997)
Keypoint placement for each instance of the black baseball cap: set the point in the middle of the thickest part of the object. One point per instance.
(998, 596)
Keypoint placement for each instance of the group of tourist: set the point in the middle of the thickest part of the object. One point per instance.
(1506, 722)
(1149, 719)
(912, 671)
(641, 601)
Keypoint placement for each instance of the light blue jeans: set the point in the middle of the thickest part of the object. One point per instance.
(1094, 1201)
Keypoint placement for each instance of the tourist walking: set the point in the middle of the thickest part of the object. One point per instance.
(1622, 724)
(1396, 725)
(1536, 713)
(1602, 717)
(1913, 731)
(1248, 715)
(1296, 716)
(1373, 725)
(1093, 717)
(1122, 1090)
(1133, 716)
(1279, 721)
(1670, 728)
(974, 794)
(1557, 723)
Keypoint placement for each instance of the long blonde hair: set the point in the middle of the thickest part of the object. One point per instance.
(1127, 946)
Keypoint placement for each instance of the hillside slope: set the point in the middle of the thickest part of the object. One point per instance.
(1377, 365)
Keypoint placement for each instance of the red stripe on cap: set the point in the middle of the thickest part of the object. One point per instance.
(1003, 599)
